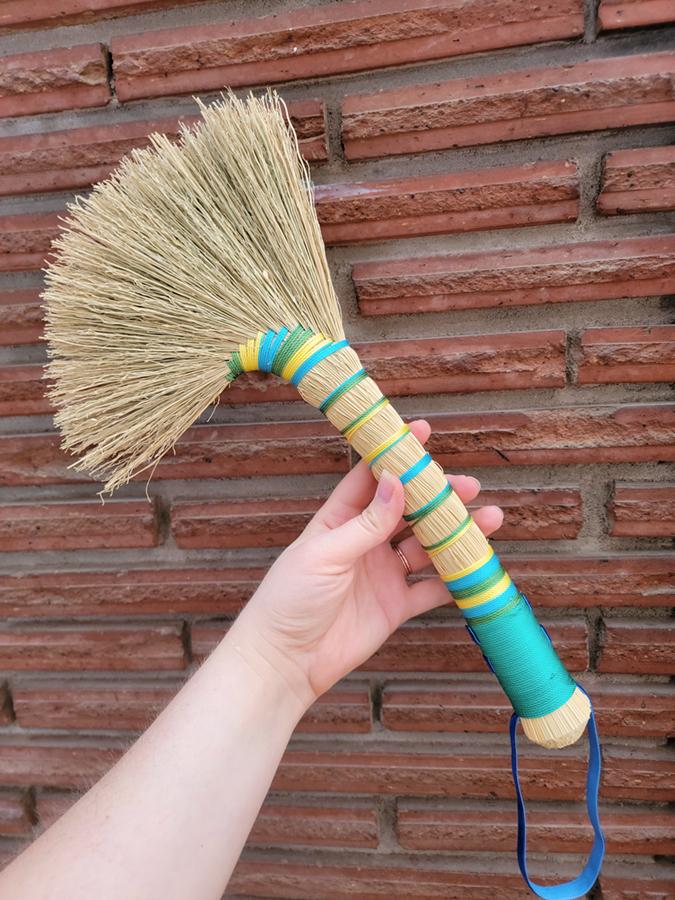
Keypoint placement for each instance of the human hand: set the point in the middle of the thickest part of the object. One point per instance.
(337, 592)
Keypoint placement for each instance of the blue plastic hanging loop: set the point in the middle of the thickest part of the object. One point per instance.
(580, 885)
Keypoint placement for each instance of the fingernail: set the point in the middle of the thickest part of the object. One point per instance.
(476, 482)
(385, 488)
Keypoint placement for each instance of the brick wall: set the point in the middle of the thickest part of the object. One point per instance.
(495, 181)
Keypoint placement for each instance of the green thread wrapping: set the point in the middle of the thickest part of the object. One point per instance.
(363, 415)
(235, 366)
(429, 507)
(489, 582)
(454, 531)
(524, 660)
(340, 391)
(293, 342)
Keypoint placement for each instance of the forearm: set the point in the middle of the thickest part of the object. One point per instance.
(170, 819)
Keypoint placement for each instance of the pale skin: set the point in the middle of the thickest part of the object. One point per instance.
(170, 819)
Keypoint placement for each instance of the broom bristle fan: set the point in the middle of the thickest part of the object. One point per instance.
(201, 259)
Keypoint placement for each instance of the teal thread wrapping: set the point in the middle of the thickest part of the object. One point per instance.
(525, 662)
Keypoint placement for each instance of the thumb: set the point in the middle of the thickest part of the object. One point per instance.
(373, 526)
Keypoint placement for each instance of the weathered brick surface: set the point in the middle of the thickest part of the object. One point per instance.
(79, 526)
(638, 181)
(607, 93)
(463, 363)
(622, 711)
(599, 270)
(642, 648)
(131, 706)
(505, 197)
(60, 764)
(61, 160)
(52, 80)
(205, 451)
(614, 14)
(321, 41)
(610, 355)
(14, 816)
(551, 776)
(25, 240)
(643, 511)
(15, 14)
(530, 515)
(419, 827)
(562, 436)
(142, 648)
(20, 319)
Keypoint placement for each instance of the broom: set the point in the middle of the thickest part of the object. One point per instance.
(199, 260)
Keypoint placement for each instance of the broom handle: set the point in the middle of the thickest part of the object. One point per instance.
(497, 616)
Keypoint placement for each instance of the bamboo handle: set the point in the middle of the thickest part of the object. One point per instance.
(553, 710)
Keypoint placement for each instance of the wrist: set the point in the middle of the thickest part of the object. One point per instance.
(279, 677)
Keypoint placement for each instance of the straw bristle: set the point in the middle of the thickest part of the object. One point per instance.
(562, 727)
(185, 252)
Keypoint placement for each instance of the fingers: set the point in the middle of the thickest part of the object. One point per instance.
(344, 545)
(356, 489)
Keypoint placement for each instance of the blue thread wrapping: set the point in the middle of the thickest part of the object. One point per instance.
(316, 358)
(416, 468)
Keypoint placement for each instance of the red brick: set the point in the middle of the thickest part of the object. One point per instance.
(130, 592)
(532, 194)
(204, 451)
(643, 511)
(645, 885)
(601, 270)
(465, 363)
(60, 765)
(53, 80)
(548, 776)
(632, 831)
(586, 96)
(560, 436)
(307, 878)
(14, 816)
(320, 41)
(634, 13)
(17, 14)
(25, 240)
(79, 525)
(644, 710)
(612, 355)
(446, 647)
(78, 157)
(131, 706)
(121, 706)
(51, 805)
(20, 317)
(203, 638)
(138, 649)
(324, 826)
(642, 579)
(638, 181)
(530, 514)
(22, 391)
(641, 648)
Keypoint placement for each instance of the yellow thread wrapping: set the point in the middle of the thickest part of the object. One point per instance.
(248, 354)
(450, 540)
(488, 594)
(301, 354)
(373, 412)
(386, 444)
(469, 569)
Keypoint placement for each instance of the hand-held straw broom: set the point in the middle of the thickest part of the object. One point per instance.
(198, 261)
